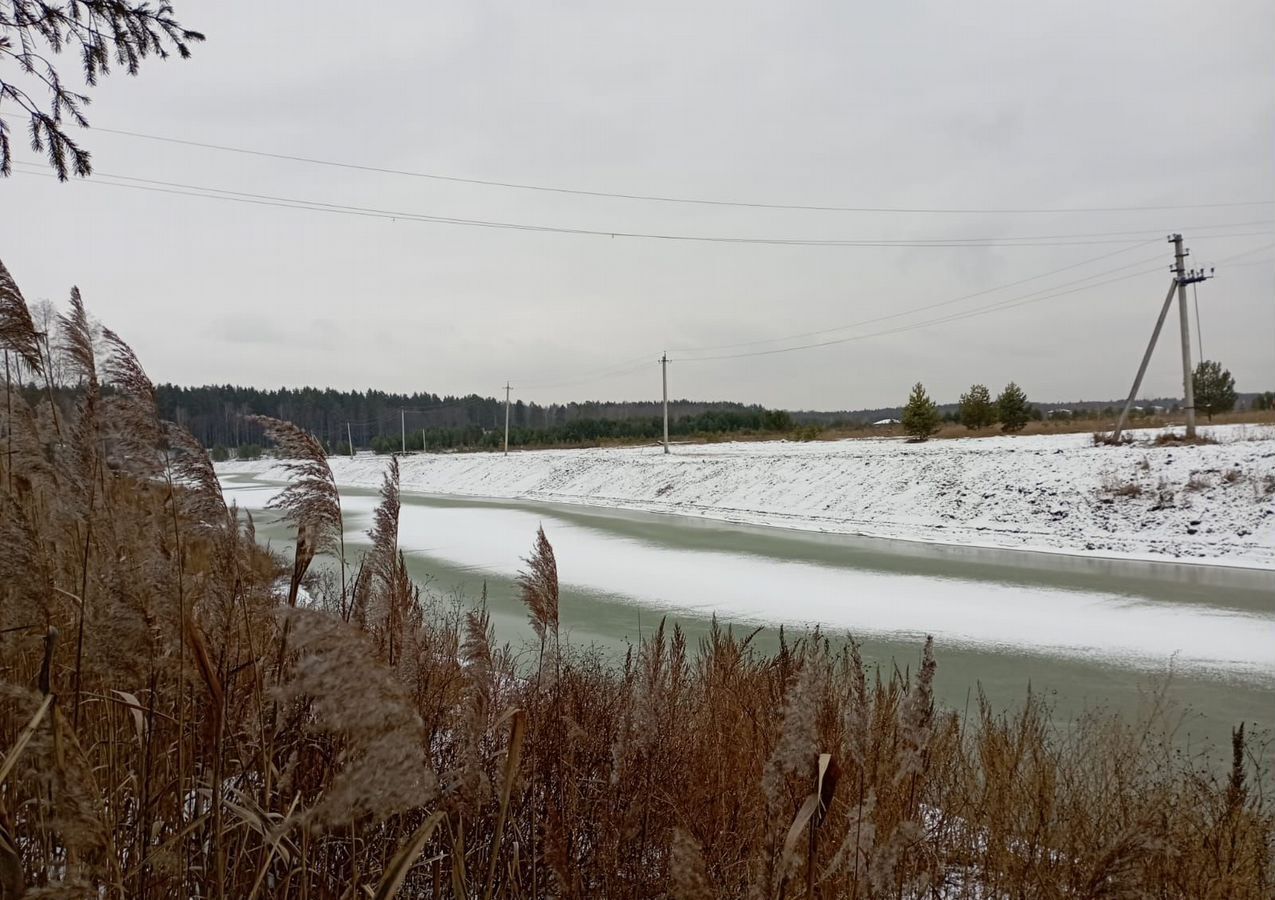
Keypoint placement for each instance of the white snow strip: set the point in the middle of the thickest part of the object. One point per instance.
(1054, 493)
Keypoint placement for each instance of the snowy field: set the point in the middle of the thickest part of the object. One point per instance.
(1058, 493)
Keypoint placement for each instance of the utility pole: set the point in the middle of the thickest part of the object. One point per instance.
(664, 372)
(349, 439)
(1181, 278)
(506, 418)
(402, 424)
(1188, 386)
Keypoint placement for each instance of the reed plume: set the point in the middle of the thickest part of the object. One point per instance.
(470, 785)
(201, 497)
(137, 435)
(18, 334)
(76, 344)
(686, 870)
(538, 586)
(311, 499)
(379, 768)
(310, 502)
(384, 531)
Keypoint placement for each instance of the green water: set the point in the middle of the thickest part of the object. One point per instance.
(1005, 620)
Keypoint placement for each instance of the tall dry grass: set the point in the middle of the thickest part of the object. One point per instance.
(184, 714)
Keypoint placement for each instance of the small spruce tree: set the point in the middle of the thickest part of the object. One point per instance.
(976, 408)
(1214, 388)
(1012, 408)
(921, 416)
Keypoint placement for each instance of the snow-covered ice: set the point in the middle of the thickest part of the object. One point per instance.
(1209, 503)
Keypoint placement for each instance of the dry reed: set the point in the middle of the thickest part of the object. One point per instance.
(202, 731)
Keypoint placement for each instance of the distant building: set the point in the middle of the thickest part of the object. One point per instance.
(883, 422)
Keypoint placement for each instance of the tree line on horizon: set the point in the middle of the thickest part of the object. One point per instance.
(221, 416)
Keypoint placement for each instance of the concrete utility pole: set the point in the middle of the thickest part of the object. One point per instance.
(1188, 385)
(1181, 278)
(506, 418)
(402, 424)
(664, 371)
(349, 438)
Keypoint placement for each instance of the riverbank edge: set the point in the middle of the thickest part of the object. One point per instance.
(1015, 537)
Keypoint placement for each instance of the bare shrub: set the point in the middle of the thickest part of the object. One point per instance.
(1173, 439)
(1198, 482)
(1113, 486)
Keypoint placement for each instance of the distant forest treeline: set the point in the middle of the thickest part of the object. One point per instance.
(216, 415)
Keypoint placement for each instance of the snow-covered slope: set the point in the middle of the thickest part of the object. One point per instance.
(1057, 492)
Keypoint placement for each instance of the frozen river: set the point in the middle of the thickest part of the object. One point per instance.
(1084, 631)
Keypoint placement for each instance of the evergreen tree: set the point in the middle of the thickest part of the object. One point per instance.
(1214, 388)
(976, 408)
(1012, 408)
(98, 33)
(921, 416)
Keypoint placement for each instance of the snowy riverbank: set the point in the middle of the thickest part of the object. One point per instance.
(1211, 503)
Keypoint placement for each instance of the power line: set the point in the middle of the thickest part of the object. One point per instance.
(978, 311)
(1022, 300)
(990, 290)
(1244, 253)
(658, 198)
(207, 193)
(623, 368)
(916, 309)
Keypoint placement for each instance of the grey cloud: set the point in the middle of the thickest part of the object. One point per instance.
(999, 104)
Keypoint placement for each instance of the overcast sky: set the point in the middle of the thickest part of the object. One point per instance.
(986, 105)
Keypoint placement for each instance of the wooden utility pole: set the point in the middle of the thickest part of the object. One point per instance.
(506, 418)
(664, 372)
(349, 438)
(402, 424)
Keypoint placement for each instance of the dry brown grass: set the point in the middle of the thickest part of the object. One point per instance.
(172, 727)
